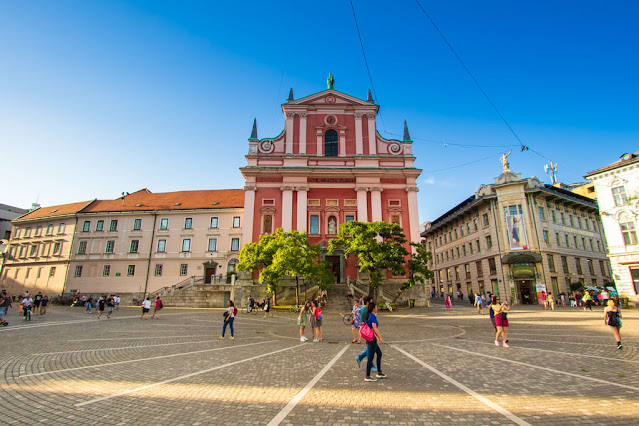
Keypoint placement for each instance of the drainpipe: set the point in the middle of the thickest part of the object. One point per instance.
(499, 248)
(148, 267)
(66, 273)
(532, 214)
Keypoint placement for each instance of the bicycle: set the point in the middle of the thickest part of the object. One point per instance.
(347, 318)
(250, 310)
(295, 308)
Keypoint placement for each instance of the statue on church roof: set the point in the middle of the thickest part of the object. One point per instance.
(504, 161)
(330, 81)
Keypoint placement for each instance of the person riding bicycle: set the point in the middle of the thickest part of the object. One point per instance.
(251, 302)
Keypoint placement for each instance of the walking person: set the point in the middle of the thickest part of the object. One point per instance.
(302, 321)
(111, 306)
(43, 305)
(357, 322)
(363, 311)
(88, 304)
(551, 301)
(229, 318)
(587, 299)
(267, 307)
(158, 307)
(501, 321)
(146, 306)
(5, 303)
(447, 303)
(480, 306)
(373, 347)
(544, 300)
(612, 318)
(101, 305)
(36, 302)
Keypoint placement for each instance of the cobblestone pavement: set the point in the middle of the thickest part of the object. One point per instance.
(562, 368)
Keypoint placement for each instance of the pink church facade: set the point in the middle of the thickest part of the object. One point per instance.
(329, 166)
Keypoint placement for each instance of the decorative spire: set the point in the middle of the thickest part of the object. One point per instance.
(254, 131)
(290, 96)
(406, 134)
(330, 81)
(370, 97)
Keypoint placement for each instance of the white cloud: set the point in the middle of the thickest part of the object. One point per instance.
(429, 181)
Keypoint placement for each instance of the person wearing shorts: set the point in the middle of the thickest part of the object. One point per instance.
(146, 306)
(501, 321)
(110, 306)
(5, 302)
(158, 307)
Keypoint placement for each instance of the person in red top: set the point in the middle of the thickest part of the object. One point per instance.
(158, 306)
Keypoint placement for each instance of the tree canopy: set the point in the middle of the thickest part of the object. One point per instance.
(285, 254)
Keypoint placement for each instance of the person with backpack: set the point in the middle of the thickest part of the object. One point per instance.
(363, 311)
(370, 319)
(158, 306)
(317, 317)
(612, 318)
(229, 317)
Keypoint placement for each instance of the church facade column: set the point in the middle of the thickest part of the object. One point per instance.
(372, 136)
(359, 139)
(376, 204)
(302, 208)
(413, 214)
(287, 208)
(290, 117)
(362, 204)
(249, 213)
(302, 137)
(342, 142)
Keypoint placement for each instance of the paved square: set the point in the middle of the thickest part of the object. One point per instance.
(443, 367)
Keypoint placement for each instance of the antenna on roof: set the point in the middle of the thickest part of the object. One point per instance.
(551, 169)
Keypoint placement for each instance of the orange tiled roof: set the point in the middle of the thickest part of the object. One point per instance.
(144, 200)
(53, 211)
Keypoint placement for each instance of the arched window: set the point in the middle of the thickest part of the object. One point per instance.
(330, 143)
(231, 266)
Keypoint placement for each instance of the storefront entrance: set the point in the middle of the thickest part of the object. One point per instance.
(526, 292)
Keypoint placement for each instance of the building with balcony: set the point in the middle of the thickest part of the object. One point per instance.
(617, 186)
(515, 238)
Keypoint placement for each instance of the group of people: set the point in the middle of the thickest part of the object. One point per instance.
(264, 305)
(28, 305)
(146, 307)
(102, 303)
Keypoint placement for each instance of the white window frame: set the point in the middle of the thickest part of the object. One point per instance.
(214, 241)
(186, 245)
(86, 226)
(237, 221)
(106, 247)
(113, 226)
(130, 271)
(188, 223)
(214, 221)
(164, 223)
(134, 246)
(162, 245)
(106, 270)
(238, 244)
(99, 225)
(78, 271)
(137, 224)
(82, 247)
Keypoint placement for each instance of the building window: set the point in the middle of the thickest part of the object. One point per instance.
(480, 271)
(52, 271)
(564, 264)
(553, 217)
(464, 249)
(314, 225)
(184, 269)
(567, 240)
(475, 224)
(34, 250)
(110, 245)
(137, 224)
(602, 266)
(267, 225)
(106, 270)
(583, 243)
(457, 273)
(161, 246)
(395, 219)
(135, 244)
(85, 226)
(587, 224)
(330, 143)
(457, 235)
(130, 271)
(575, 239)
(235, 244)
(28, 273)
(579, 222)
(486, 222)
(619, 194)
(470, 247)
(542, 215)
(186, 245)
(188, 223)
(591, 267)
(447, 274)
(114, 225)
(578, 263)
(27, 233)
(551, 263)
(458, 256)
(478, 246)
(546, 239)
(629, 233)
(78, 271)
(468, 227)
(598, 245)
(350, 218)
(492, 266)
(82, 247)
(467, 267)
(164, 223)
(56, 248)
(158, 270)
(212, 244)
(236, 222)
(61, 228)
(213, 222)
(38, 231)
(99, 225)
(489, 242)
(570, 220)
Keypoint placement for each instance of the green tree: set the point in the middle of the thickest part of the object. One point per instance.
(418, 266)
(285, 254)
(377, 245)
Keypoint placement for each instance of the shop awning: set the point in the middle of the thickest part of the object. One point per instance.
(521, 257)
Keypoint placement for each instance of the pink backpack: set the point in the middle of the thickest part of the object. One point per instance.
(366, 332)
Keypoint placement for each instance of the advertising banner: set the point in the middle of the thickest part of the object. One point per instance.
(517, 232)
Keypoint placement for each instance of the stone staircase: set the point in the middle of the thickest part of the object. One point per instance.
(337, 300)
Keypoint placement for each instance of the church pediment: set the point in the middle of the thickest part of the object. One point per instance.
(330, 97)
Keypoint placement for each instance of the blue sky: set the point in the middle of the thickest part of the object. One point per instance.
(102, 97)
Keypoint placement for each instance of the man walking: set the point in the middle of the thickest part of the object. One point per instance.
(479, 304)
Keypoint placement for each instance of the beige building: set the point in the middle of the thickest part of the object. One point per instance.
(618, 195)
(144, 241)
(516, 238)
(39, 250)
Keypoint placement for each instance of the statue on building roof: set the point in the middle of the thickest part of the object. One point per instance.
(330, 81)
(504, 161)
